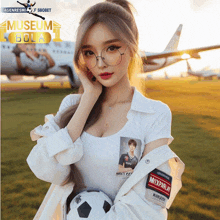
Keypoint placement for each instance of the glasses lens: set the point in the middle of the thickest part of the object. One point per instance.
(111, 55)
(88, 58)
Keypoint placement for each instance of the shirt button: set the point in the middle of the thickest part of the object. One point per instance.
(147, 161)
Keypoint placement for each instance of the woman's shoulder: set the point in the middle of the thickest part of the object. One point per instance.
(147, 105)
(69, 100)
(157, 105)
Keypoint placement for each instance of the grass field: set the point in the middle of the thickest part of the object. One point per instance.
(196, 129)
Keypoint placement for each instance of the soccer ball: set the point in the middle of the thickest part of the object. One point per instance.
(29, 10)
(90, 204)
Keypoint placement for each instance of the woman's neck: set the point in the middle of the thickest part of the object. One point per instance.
(122, 91)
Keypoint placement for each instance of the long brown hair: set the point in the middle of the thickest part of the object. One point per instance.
(117, 16)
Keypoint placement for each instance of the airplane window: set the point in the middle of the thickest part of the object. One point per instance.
(61, 51)
(67, 44)
(57, 51)
(53, 51)
(3, 46)
(57, 44)
(8, 47)
(64, 51)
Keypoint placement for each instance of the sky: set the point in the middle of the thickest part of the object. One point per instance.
(156, 20)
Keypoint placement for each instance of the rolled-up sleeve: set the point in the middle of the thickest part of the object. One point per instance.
(62, 147)
(55, 151)
(44, 167)
(161, 128)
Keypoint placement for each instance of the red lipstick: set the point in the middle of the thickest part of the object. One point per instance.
(105, 75)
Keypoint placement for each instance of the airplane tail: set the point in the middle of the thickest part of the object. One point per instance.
(189, 69)
(173, 44)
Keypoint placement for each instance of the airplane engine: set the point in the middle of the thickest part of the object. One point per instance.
(73, 78)
(195, 56)
(15, 77)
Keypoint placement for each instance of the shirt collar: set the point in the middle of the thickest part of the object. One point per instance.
(140, 103)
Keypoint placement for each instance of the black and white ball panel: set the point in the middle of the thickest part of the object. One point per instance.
(90, 204)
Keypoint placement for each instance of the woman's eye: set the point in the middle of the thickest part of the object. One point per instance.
(113, 48)
(88, 53)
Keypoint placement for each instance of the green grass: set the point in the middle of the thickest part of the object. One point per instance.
(196, 131)
(21, 111)
(195, 128)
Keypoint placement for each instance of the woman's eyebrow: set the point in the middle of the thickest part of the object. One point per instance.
(110, 41)
(104, 43)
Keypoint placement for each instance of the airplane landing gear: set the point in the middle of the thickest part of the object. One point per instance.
(42, 86)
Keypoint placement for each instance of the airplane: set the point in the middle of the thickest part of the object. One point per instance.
(170, 55)
(61, 53)
(153, 76)
(207, 74)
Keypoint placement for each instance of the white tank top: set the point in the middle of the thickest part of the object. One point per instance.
(100, 162)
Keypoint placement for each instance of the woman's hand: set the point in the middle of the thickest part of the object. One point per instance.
(49, 58)
(91, 85)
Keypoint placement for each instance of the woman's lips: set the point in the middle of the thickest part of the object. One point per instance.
(105, 75)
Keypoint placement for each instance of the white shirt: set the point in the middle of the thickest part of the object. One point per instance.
(38, 65)
(148, 120)
(100, 160)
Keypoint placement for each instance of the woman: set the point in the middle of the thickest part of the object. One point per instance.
(30, 61)
(80, 146)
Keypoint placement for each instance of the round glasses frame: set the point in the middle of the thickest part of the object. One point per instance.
(103, 58)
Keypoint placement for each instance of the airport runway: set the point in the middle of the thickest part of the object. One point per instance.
(21, 85)
(58, 83)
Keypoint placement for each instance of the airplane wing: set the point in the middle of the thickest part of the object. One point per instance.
(192, 52)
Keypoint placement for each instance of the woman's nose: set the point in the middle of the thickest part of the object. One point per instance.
(100, 61)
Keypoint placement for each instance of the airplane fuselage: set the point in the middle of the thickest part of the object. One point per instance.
(160, 63)
(38, 60)
(60, 54)
(206, 74)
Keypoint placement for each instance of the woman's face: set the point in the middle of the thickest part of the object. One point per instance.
(31, 49)
(99, 40)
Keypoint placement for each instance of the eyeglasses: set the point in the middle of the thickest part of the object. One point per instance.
(110, 55)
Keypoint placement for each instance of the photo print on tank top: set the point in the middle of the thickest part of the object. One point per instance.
(129, 156)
